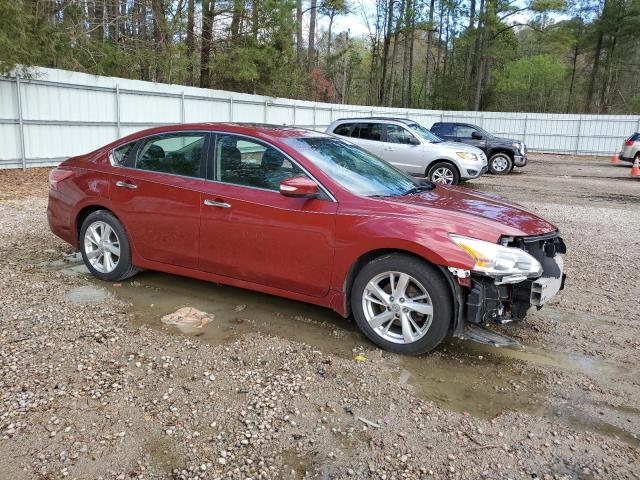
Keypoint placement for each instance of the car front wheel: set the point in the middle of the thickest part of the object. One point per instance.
(443, 173)
(104, 246)
(402, 304)
(500, 164)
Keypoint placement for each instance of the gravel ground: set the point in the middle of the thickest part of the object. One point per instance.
(88, 391)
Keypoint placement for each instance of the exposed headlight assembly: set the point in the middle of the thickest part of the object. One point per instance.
(467, 155)
(512, 265)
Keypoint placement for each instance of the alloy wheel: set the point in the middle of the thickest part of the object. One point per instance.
(397, 307)
(102, 247)
(442, 175)
(500, 164)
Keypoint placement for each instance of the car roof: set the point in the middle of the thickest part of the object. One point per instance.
(366, 119)
(258, 130)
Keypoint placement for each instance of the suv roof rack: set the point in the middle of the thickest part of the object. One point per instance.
(395, 119)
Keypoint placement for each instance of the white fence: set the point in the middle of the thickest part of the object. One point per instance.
(56, 114)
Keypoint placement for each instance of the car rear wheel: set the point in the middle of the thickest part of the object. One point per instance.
(105, 248)
(444, 173)
(500, 164)
(402, 304)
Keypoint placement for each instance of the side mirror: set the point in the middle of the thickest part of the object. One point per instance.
(476, 136)
(299, 187)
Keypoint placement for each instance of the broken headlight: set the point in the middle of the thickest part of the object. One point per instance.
(497, 261)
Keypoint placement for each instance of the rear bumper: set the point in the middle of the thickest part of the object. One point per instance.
(59, 218)
(627, 159)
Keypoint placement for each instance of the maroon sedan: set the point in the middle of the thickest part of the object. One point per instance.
(307, 216)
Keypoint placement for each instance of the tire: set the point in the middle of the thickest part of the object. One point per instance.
(500, 164)
(444, 173)
(421, 278)
(101, 236)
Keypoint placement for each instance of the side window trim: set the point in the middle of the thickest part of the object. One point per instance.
(214, 156)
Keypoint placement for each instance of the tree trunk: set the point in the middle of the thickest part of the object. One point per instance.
(573, 76)
(159, 36)
(255, 19)
(396, 40)
(190, 41)
(406, 63)
(205, 49)
(605, 93)
(299, 32)
(236, 19)
(312, 34)
(98, 17)
(385, 50)
(467, 60)
(594, 73)
(332, 16)
(429, 57)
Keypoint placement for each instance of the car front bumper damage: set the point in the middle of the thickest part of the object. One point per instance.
(497, 301)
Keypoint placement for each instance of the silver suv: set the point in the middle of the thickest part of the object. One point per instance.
(631, 148)
(412, 148)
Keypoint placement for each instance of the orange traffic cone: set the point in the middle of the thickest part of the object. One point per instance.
(615, 159)
(635, 170)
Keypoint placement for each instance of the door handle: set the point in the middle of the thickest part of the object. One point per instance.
(389, 149)
(216, 203)
(121, 184)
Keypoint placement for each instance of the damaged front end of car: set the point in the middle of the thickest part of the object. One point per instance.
(507, 280)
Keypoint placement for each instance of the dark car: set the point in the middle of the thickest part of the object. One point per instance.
(311, 217)
(503, 153)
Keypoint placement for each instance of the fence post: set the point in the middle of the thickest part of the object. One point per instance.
(577, 147)
(441, 116)
(314, 116)
(23, 153)
(117, 111)
(230, 109)
(266, 111)
(524, 135)
(294, 114)
(182, 114)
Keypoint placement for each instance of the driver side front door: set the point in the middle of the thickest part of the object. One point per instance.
(249, 231)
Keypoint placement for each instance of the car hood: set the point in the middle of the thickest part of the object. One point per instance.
(506, 141)
(459, 147)
(474, 213)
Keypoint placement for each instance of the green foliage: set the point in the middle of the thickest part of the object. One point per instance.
(528, 82)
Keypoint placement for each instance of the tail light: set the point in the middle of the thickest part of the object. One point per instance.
(57, 175)
(629, 142)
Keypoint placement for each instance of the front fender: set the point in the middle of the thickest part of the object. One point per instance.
(360, 235)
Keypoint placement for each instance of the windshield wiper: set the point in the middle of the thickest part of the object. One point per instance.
(419, 188)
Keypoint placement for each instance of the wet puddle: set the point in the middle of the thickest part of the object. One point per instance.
(462, 376)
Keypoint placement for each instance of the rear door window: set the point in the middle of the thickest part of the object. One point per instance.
(343, 129)
(119, 155)
(174, 153)
(368, 131)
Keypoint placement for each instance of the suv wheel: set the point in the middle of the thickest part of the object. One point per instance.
(500, 164)
(104, 246)
(443, 173)
(402, 304)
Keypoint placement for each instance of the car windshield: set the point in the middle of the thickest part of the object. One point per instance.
(425, 133)
(355, 169)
